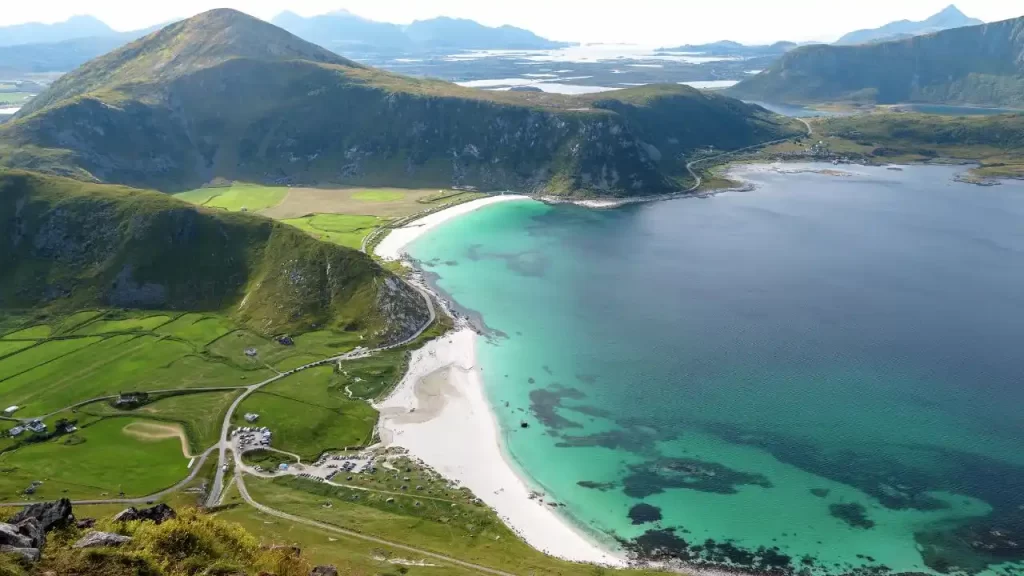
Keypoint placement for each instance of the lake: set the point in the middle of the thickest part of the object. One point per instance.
(822, 374)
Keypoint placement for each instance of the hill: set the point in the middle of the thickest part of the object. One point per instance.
(226, 95)
(71, 245)
(34, 32)
(948, 18)
(730, 48)
(344, 31)
(980, 65)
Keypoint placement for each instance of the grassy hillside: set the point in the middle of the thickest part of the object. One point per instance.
(981, 65)
(225, 95)
(71, 245)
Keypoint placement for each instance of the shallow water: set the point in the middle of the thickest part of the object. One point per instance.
(827, 367)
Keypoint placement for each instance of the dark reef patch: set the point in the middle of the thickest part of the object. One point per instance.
(602, 486)
(665, 545)
(545, 402)
(853, 514)
(820, 492)
(590, 411)
(633, 441)
(586, 378)
(644, 514)
(530, 263)
(655, 476)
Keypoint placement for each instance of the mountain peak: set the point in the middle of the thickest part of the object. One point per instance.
(203, 41)
(951, 10)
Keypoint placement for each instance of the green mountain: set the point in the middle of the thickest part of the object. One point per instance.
(227, 95)
(950, 17)
(74, 245)
(980, 65)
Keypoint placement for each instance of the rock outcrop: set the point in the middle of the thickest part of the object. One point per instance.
(157, 514)
(101, 540)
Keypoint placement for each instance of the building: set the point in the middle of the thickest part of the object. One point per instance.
(250, 352)
(36, 426)
(10, 410)
(251, 417)
(16, 430)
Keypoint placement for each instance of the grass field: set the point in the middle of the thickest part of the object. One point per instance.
(463, 530)
(97, 460)
(237, 197)
(32, 332)
(309, 413)
(342, 229)
(382, 202)
(381, 195)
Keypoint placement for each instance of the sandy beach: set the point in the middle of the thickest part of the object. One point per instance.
(440, 414)
(392, 247)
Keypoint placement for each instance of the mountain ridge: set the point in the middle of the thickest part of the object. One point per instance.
(224, 95)
(977, 65)
(948, 18)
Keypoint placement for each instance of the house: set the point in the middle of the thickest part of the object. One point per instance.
(10, 410)
(16, 430)
(250, 352)
(36, 426)
(251, 417)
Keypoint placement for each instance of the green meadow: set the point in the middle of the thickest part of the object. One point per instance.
(343, 229)
(236, 197)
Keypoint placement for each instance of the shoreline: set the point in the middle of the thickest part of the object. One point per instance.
(392, 247)
(439, 412)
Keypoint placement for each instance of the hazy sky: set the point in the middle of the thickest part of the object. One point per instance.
(649, 22)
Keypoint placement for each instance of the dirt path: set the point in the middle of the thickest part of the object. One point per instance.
(154, 431)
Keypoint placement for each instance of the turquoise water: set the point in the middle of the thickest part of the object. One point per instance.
(824, 374)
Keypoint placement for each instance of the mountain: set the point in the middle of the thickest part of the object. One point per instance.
(76, 245)
(948, 18)
(979, 65)
(226, 95)
(64, 55)
(345, 31)
(74, 27)
(730, 48)
(461, 34)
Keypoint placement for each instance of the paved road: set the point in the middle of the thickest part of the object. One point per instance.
(196, 466)
(697, 178)
(240, 482)
(218, 482)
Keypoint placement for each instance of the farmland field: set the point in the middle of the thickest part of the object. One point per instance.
(237, 197)
(342, 229)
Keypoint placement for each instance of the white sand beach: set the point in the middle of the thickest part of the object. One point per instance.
(392, 247)
(440, 414)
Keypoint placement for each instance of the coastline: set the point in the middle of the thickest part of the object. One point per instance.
(440, 413)
(392, 247)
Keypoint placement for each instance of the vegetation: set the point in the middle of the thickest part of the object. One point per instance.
(74, 245)
(237, 197)
(341, 229)
(980, 65)
(288, 112)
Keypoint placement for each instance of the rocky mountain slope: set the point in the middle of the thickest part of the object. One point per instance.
(226, 95)
(70, 244)
(980, 65)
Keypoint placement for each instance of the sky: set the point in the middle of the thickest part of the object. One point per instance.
(645, 22)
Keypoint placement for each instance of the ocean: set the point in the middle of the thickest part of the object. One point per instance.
(822, 375)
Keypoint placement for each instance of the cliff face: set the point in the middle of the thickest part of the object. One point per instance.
(204, 99)
(981, 65)
(74, 244)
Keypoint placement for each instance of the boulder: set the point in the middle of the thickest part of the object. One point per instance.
(49, 514)
(10, 536)
(34, 530)
(85, 523)
(29, 554)
(157, 514)
(101, 540)
(284, 548)
(324, 571)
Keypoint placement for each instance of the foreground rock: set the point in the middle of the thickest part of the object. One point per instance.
(324, 571)
(29, 554)
(158, 514)
(49, 514)
(101, 540)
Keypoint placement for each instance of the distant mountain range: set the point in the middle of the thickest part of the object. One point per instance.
(225, 95)
(345, 31)
(37, 33)
(730, 48)
(978, 65)
(950, 17)
(62, 46)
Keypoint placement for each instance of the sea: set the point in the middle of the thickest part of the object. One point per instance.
(822, 375)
